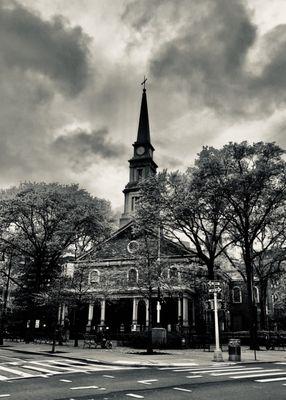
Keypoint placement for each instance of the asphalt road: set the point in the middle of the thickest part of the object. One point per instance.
(31, 377)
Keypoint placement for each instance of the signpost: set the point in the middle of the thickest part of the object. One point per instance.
(215, 288)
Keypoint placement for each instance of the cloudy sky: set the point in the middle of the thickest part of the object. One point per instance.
(70, 73)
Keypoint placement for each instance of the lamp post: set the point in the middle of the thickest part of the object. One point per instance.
(214, 287)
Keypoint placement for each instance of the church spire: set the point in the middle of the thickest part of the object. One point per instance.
(141, 165)
(143, 135)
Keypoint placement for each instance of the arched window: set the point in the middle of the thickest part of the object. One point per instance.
(94, 276)
(174, 274)
(236, 295)
(256, 294)
(132, 276)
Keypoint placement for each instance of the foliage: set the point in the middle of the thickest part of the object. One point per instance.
(41, 222)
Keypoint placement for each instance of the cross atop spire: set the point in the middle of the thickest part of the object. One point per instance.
(144, 84)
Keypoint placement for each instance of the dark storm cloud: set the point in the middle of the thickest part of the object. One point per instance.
(83, 148)
(51, 48)
(206, 54)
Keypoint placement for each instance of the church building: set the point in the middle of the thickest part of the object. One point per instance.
(123, 308)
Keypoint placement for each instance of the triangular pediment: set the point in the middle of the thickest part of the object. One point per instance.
(120, 246)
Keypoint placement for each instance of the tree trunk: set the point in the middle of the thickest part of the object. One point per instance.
(252, 311)
(263, 303)
(75, 328)
(149, 349)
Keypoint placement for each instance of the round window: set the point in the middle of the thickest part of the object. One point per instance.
(133, 246)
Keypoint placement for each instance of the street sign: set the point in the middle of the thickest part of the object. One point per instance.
(215, 290)
(214, 286)
(213, 283)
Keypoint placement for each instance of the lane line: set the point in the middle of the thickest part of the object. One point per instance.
(108, 376)
(83, 387)
(65, 380)
(148, 381)
(182, 389)
(137, 396)
(5, 395)
(193, 376)
(271, 380)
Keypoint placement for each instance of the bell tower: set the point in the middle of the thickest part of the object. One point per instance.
(141, 165)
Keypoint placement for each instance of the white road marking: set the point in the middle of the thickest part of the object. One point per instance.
(108, 376)
(137, 396)
(251, 370)
(217, 370)
(271, 380)
(148, 381)
(209, 369)
(65, 380)
(83, 387)
(36, 368)
(16, 372)
(5, 395)
(193, 376)
(262, 374)
(62, 367)
(182, 389)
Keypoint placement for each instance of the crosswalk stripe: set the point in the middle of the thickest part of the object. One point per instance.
(257, 369)
(45, 370)
(209, 369)
(16, 372)
(262, 374)
(217, 370)
(271, 380)
(62, 368)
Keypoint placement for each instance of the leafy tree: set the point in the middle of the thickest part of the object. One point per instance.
(189, 212)
(252, 180)
(41, 222)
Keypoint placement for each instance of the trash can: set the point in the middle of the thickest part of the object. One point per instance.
(234, 350)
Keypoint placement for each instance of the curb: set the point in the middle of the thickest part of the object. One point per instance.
(131, 364)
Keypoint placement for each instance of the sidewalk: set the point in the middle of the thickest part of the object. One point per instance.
(134, 357)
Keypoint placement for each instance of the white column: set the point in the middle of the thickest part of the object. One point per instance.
(102, 312)
(179, 309)
(193, 313)
(185, 311)
(158, 312)
(59, 313)
(135, 311)
(90, 316)
(64, 313)
(147, 304)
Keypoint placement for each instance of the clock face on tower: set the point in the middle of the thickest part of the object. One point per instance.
(140, 150)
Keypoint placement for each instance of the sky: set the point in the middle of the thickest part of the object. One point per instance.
(70, 74)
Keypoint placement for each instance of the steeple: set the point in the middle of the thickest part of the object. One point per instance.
(143, 135)
(141, 165)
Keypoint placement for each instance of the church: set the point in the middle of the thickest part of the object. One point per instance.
(124, 309)
(121, 308)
